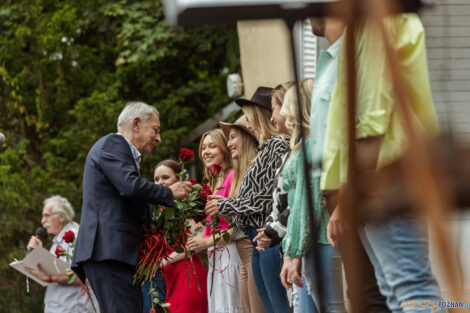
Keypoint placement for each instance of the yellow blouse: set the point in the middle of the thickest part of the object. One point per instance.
(376, 114)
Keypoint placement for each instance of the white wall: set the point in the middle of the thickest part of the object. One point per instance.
(458, 227)
(447, 26)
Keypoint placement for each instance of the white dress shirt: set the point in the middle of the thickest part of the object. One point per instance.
(135, 153)
(66, 298)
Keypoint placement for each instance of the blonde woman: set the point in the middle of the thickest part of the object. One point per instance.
(242, 143)
(276, 224)
(254, 203)
(297, 244)
(225, 295)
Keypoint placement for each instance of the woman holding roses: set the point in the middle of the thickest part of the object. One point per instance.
(224, 273)
(254, 203)
(183, 296)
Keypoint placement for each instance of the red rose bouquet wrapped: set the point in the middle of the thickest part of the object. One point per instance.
(170, 228)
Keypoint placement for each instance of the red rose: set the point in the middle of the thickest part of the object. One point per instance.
(215, 169)
(193, 182)
(186, 155)
(68, 237)
(59, 251)
(205, 192)
(152, 310)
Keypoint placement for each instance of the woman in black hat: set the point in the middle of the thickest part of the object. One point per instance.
(254, 203)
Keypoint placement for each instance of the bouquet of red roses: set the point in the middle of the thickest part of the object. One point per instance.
(170, 230)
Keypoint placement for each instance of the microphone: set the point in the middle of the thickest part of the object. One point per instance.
(41, 234)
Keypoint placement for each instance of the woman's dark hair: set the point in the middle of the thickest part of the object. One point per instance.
(172, 164)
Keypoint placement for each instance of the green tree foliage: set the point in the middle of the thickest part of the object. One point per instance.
(67, 68)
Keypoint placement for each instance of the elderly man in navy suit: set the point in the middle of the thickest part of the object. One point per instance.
(115, 206)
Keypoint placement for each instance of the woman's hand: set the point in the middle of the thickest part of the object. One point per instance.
(212, 207)
(212, 197)
(291, 272)
(199, 243)
(336, 228)
(262, 240)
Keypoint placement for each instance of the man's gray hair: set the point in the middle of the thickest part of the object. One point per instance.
(61, 205)
(132, 110)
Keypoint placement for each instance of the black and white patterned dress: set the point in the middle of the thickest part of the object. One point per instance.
(255, 199)
(276, 223)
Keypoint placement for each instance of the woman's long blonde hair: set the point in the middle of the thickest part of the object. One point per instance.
(279, 92)
(248, 146)
(218, 137)
(289, 110)
(259, 120)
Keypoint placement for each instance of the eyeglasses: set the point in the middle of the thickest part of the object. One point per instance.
(46, 216)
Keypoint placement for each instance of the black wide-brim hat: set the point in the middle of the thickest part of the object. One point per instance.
(261, 98)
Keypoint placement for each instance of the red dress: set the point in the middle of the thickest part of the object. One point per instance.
(184, 298)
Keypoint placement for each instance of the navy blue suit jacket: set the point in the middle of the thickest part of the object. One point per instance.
(115, 205)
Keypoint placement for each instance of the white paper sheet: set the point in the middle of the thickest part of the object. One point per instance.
(49, 263)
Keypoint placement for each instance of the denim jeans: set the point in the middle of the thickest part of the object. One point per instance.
(301, 299)
(398, 249)
(158, 284)
(331, 272)
(266, 267)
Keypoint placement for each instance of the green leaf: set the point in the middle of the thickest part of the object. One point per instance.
(71, 278)
(169, 212)
(179, 204)
(206, 223)
(196, 187)
(226, 236)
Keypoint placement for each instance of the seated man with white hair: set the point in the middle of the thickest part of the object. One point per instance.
(57, 219)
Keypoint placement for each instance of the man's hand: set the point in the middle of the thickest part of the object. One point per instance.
(212, 207)
(33, 243)
(198, 243)
(181, 190)
(39, 273)
(291, 272)
(336, 228)
(262, 240)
